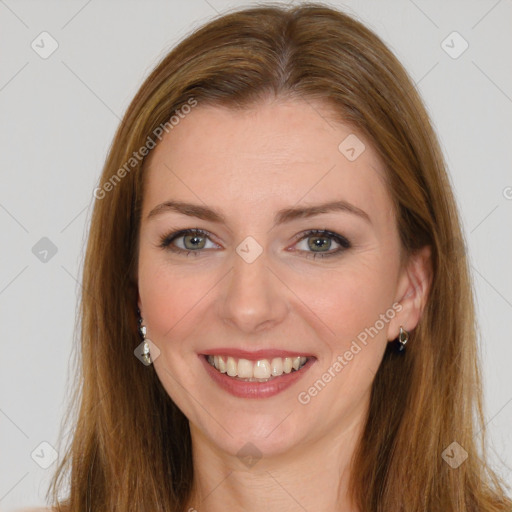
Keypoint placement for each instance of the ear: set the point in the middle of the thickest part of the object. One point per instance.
(413, 288)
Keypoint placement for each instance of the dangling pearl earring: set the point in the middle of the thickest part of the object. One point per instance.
(145, 351)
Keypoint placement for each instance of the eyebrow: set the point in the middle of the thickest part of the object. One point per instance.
(282, 216)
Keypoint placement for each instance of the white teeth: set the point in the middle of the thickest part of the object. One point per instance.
(222, 365)
(276, 366)
(231, 367)
(245, 369)
(260, 370)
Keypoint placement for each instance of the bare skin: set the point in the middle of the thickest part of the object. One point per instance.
(249, 165)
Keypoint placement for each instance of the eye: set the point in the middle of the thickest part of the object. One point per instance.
(194, 240)
(322, 239)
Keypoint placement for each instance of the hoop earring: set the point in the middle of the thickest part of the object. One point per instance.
(403, 337)
(145, 351)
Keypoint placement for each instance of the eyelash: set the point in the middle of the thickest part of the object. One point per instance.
(166, 241)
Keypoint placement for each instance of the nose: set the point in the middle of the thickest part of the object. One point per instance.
(255, 299)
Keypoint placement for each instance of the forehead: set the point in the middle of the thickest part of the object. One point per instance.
(276, 153)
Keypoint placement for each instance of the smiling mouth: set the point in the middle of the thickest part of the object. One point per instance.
(262, 370)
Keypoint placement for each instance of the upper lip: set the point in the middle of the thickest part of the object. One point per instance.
(254, 355)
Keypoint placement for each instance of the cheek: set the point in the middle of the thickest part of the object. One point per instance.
(352, 299)
(168, 296)
(352, 306)
(356, 304)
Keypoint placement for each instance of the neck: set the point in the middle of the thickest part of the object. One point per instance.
(314, 476)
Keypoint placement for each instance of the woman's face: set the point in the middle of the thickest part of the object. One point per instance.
(257, 281)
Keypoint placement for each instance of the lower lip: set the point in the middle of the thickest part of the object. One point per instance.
(243, 389)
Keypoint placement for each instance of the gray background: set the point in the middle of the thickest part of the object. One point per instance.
(58, 117)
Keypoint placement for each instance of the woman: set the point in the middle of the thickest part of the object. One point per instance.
(225, 365)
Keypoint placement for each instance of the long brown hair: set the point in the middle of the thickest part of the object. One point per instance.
(130, 448)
